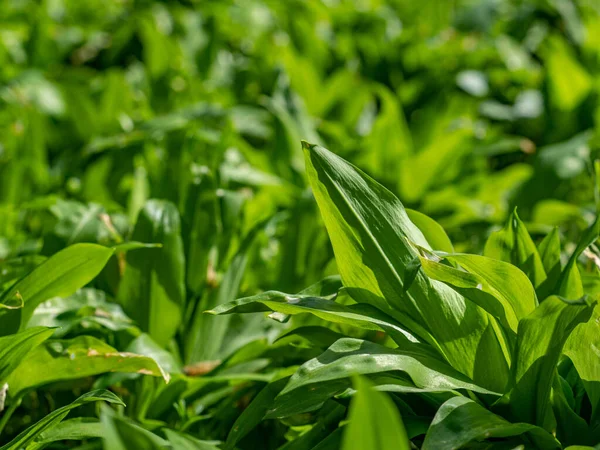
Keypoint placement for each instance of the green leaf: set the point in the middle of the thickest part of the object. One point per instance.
(152, 290)
(80, 357)
(206, 335)
(326, 425)
(389, 141)
(328, 375)
(549, 250)
(254, 413)
(200, 230)
(14, 348)
(581, 347)
(374, 421)
(514, 245)
(56, 416)
(370, 233)
(359, 315)
(433, 231)
(331, 442)
(180, 441)
(76, 429)
(120, 433)
(540, 341)
(460, 421)
(59, 276)
(484, 281)
(569, 283)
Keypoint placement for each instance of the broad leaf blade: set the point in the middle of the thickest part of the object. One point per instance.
(484, 281)
(460, 421)
(370, 232)
(540, 342)
(14, 348)
(329, 374)
(83, 356)
(59, 276)
(152, 290)
(433, 231)
(374, 421)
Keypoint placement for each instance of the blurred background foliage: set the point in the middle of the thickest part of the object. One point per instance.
(465, 109)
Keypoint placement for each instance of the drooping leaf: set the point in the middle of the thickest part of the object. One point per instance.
(329, 374)
(56, 416)
(359, 315)
(370, 230)
(76, 429)
(152, 290)
(83, 356)
(461, 421)
(374, 421)
(59, 276)
(180, 441)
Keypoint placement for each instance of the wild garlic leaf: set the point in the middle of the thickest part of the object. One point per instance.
(59, 276)
(374, 421)
(370, 232)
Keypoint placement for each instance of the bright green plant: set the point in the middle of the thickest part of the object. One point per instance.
(491, 362)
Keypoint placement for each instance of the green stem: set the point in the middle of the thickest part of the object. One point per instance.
(9, 412)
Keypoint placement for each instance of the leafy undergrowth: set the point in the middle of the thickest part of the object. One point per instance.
(178, 271)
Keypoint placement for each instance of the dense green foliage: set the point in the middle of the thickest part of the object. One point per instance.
(178, 271)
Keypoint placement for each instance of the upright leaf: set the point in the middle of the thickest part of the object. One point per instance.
(581, 347)
(540, 342)
(120, 433)
(370, 232)
(484, 281)
(433, 231)
(374, 421)
(513, 244)
(152, 290)
(549, 250)
(75, 429)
